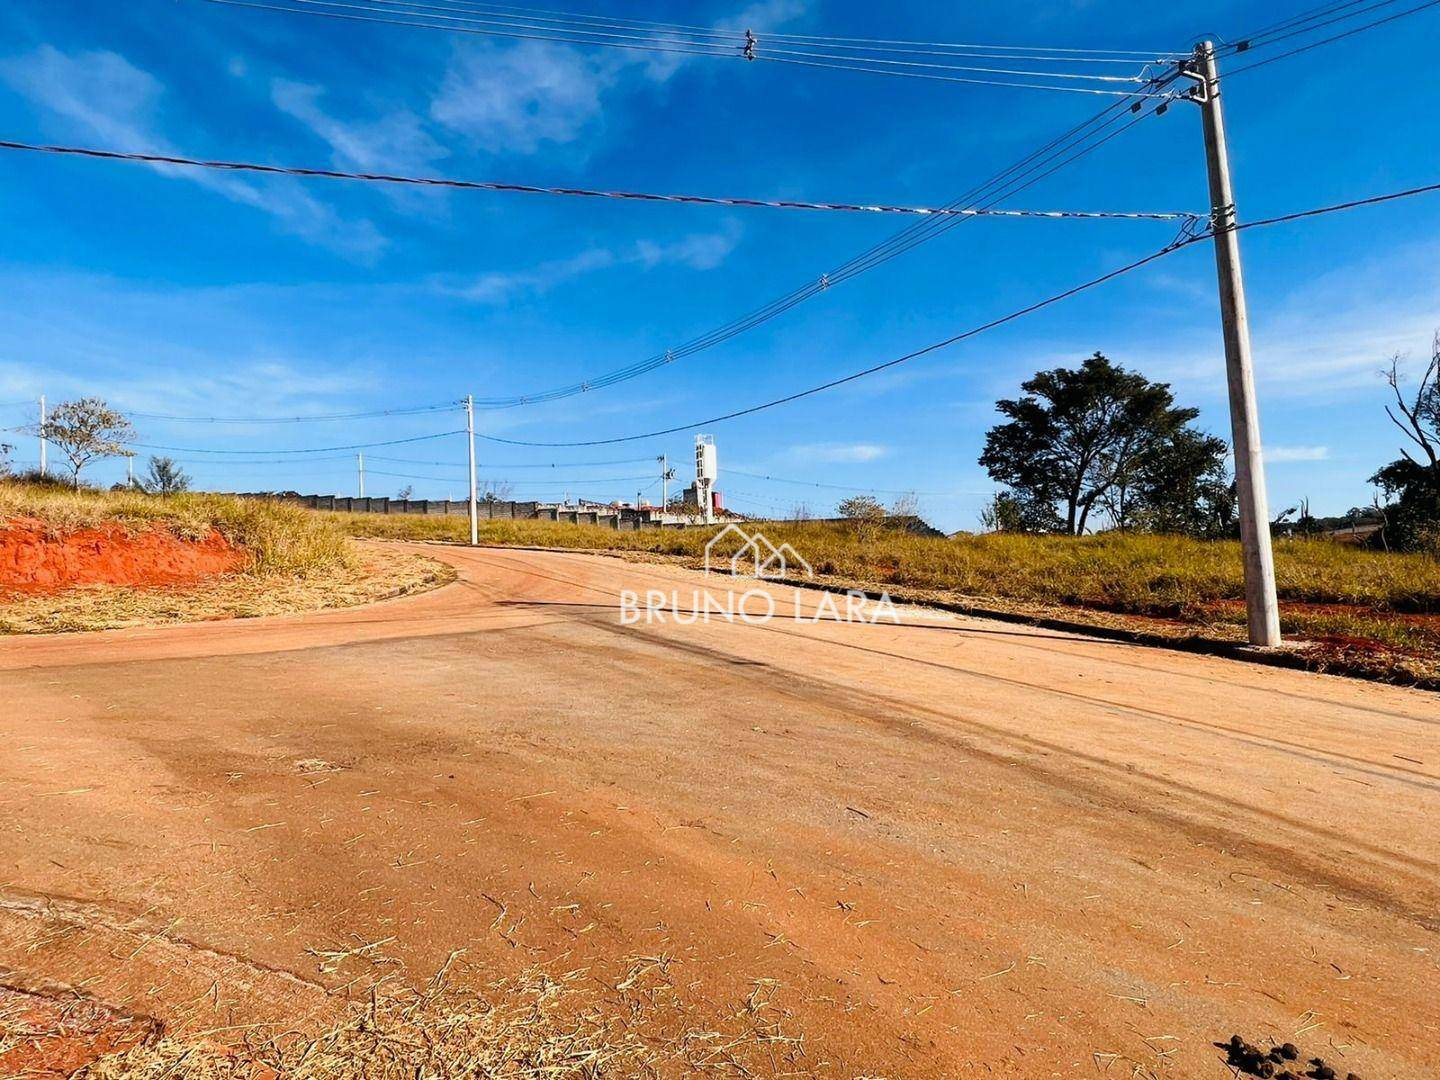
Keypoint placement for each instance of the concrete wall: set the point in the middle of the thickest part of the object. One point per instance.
(501, 509)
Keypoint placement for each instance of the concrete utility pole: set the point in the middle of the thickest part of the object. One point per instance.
(129, 470)
(44, 442)
(664, 482)
(1262, 608)
(360, 464)
(470, 442)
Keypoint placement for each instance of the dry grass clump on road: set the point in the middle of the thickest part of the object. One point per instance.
(1369, 612)
(293, 561)
(533, 1026)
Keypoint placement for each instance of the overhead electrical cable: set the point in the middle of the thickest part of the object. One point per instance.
(1332, 39)
(511, 481)
(1078, 141)
(373, 11)
(721, 32)
(532, 189)
(851, 487)
(1310, 26)
(299, 450)
(524, 465)
(733, 43)
(1313, 13)
(1176, 245)
(315, 418)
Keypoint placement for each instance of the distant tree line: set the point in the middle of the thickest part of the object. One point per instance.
(1100, 446)
(87, 430)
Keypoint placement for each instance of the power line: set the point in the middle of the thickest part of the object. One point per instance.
(733, 43)
(719, 32)
(1334, 38)
(746, 49)
(853, 487)
(315, 418)
(513, 482)
(1093, 282)
(301, 450)
(1316, 21)
(525, 465)
(533, 189)
(1373, 200)
(1080, 140)
(1176, 245)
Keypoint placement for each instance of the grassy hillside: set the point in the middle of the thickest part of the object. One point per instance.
(279, 539)
(295, 561)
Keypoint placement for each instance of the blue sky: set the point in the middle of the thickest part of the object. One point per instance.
(207, 293)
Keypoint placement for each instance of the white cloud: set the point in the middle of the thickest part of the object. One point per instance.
(837, 452)
(394, 141)
(1296, 453)
(501, 286)
(700, 251)
(518, 98)
(513, 99)
(101, 95)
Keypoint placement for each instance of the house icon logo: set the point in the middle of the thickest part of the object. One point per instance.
(756, 557)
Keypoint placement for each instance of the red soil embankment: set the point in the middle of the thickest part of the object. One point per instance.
(35, 559)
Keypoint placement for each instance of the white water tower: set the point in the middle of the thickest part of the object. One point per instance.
(707, 469)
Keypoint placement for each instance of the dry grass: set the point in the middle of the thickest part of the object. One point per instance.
(536, 1025)
(361, 579)
(1376, 613)
(1139, 573)
(298, 561)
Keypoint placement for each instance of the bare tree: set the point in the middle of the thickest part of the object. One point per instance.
(84, 431)
(495, 491)
(906, 506)
(801, 512)
(1419, 416)
(865, 513)
(1411, 483)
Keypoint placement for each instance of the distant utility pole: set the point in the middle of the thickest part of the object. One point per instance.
(44, 442)
(1261, 606)
(665, 475)
(470, 442)
(360, 464)
(129, 470)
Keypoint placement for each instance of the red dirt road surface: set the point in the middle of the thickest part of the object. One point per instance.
(947, 848)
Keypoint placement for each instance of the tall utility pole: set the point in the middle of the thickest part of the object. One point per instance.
(360, 464)
(665, 475)
(1261, 607)
(44, 442)
(470, 442)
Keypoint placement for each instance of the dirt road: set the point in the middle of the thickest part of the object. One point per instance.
(944, 848)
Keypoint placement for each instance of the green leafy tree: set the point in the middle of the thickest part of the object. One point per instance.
(1008, 512)
(1183, 485)
(1082, 438)
(164, 476)
(86, 430)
